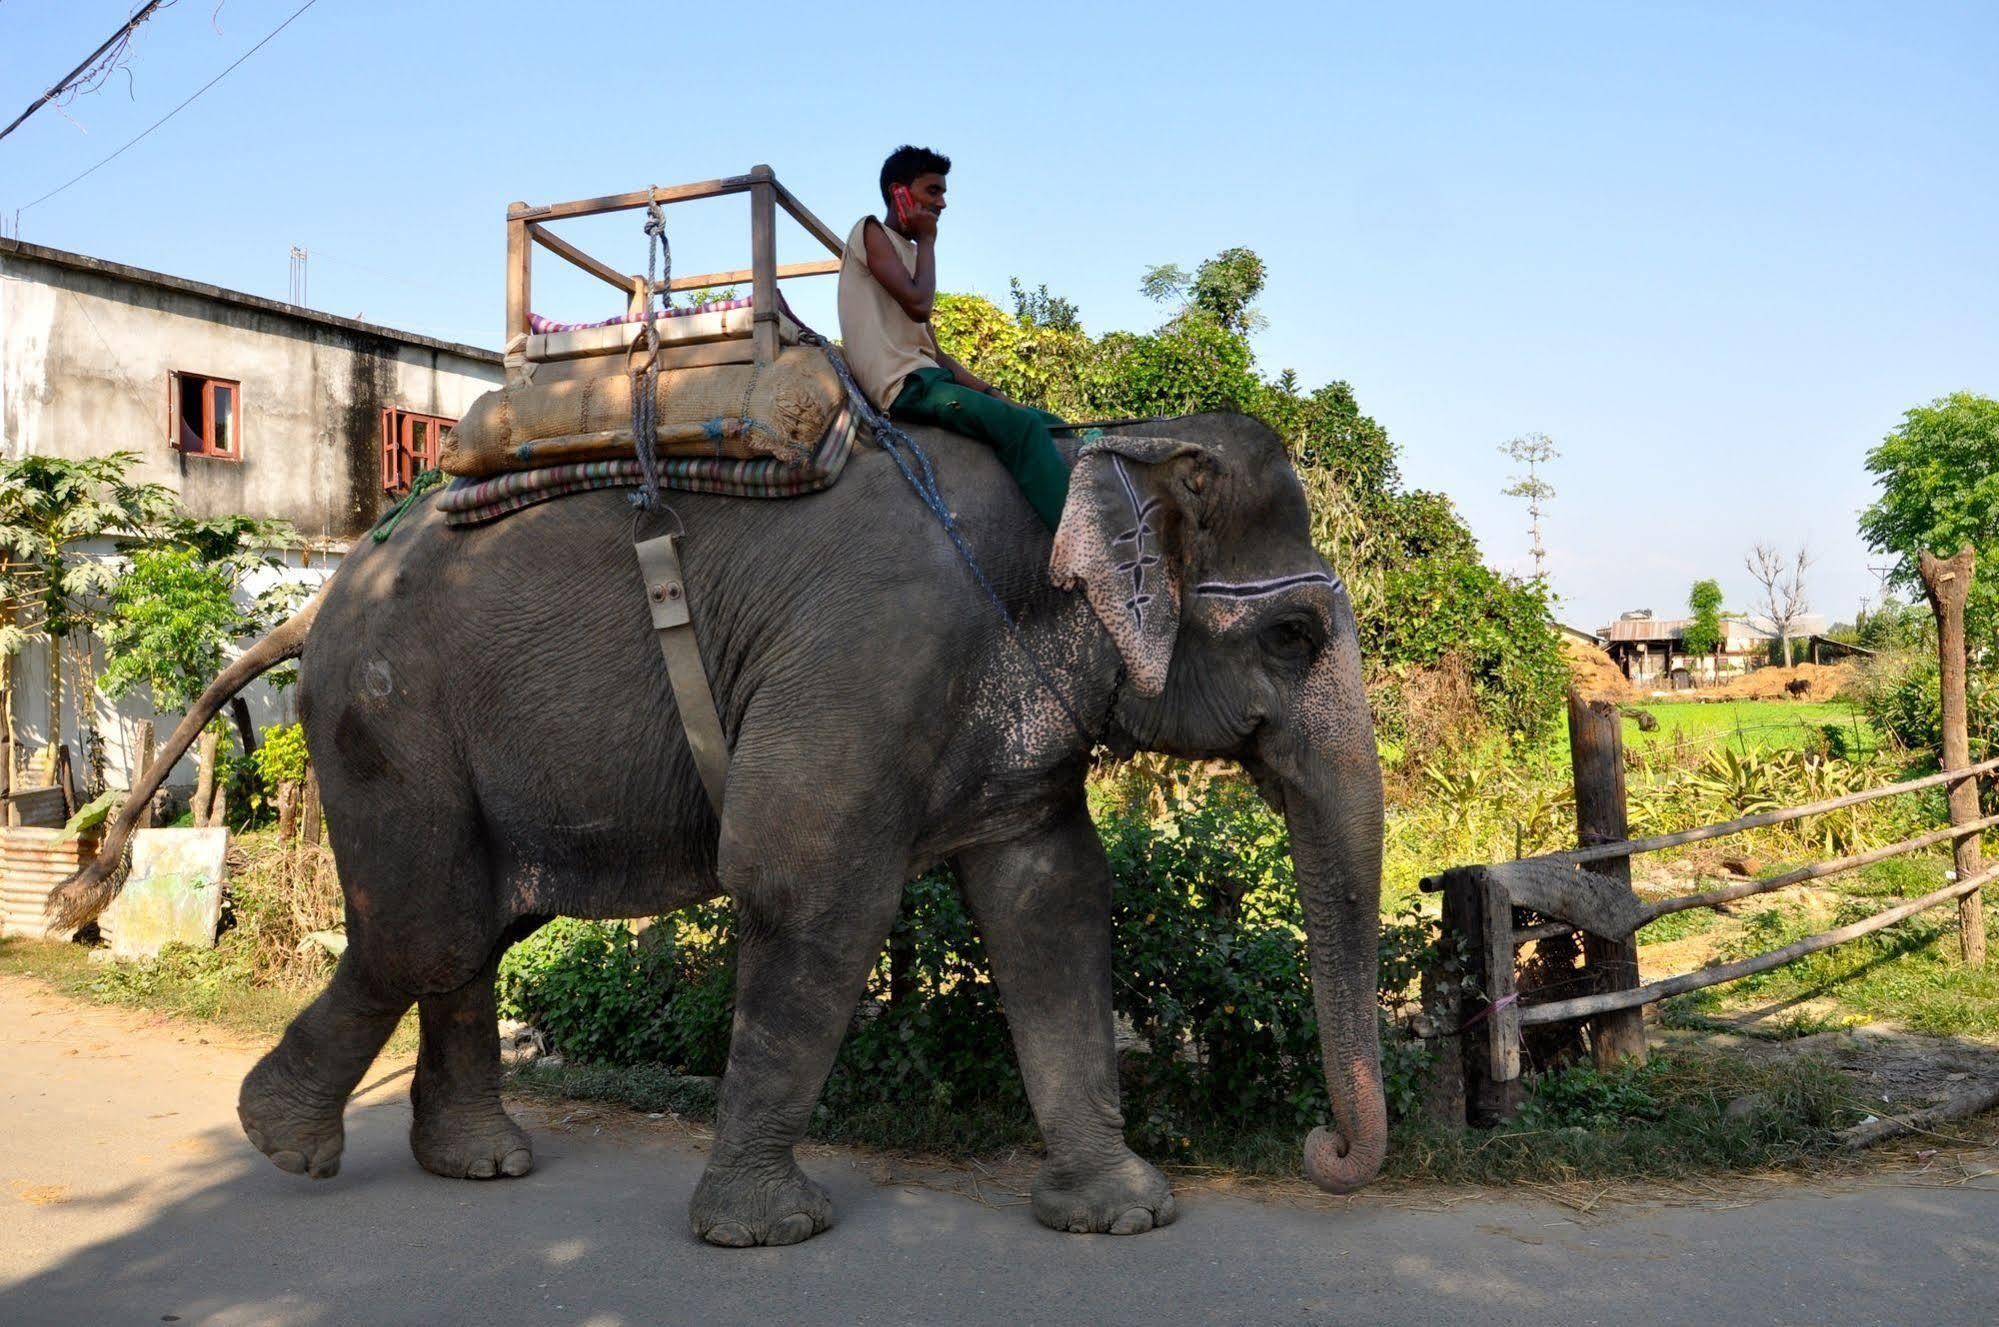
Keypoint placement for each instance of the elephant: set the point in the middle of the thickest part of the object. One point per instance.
(497, 744)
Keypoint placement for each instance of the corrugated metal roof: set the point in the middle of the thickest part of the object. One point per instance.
(1660, 629)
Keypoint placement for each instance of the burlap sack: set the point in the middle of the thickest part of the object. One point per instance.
(702, 412)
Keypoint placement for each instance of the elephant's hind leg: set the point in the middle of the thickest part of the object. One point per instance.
(458, 1128)
(1043, 906)
(291, 1102)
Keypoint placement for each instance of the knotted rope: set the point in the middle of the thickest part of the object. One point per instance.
(424, 481)
(645, 381)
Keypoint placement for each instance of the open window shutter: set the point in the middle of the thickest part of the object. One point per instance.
(390, 475)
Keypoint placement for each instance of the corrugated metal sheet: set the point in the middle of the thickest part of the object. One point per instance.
(1736, 633)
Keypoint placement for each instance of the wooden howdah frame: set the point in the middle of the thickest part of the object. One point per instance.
(527, 229)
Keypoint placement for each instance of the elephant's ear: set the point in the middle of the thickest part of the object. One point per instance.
(1124, 537)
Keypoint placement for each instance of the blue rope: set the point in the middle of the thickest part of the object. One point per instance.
(911, 459)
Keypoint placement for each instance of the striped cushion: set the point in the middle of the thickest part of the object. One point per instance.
(469, 502)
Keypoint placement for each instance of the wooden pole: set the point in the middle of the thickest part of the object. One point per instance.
(763, 262)
(142, 732)
(518, 286)
(1947, 583)
(1596, 744)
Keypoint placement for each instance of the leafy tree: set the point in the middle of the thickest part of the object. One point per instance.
(1939, 477)
(1703, 635)
(1038, 308)
(179, 611)
(1224, 288)
(53, 587)
(175, 617)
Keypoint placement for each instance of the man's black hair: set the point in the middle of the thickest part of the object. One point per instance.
(906, 163)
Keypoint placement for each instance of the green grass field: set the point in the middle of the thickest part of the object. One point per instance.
(1753, 724)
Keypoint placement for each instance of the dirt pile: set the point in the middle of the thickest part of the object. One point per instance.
(1593, 672)
(1820, 682)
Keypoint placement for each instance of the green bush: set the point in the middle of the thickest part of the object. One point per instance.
(603, 993)
(281, 757)
(1211, 975)
(1902, 695)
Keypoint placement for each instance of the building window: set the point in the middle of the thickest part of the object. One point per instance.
(207, 415)
(410, 445)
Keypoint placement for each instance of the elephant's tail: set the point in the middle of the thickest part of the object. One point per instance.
(83, 896)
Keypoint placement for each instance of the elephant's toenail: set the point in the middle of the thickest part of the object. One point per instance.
(791, 1230)
(289, 1161)
(519, 1162)
(482, 1169)
(256, 1138)
(1134, 1222)
(730, 1235)
(326, 1169)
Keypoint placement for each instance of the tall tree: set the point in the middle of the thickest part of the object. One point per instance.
(1533, 450)
(1939, 478)
(1783, 583)
(54, 588)
(1703, 635)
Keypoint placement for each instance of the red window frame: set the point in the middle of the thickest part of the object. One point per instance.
(403, 457)
(206, 445)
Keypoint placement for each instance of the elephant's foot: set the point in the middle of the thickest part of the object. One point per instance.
(1127, 1197)
(476, 1145)
(744, 1205)
(290, 1124)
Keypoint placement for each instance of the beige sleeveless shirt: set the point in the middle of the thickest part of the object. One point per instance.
(883, 345)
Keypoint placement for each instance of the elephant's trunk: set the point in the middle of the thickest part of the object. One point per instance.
(1336, 849)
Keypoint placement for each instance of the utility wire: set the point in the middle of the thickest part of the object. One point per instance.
(64, 83)
(175, 111)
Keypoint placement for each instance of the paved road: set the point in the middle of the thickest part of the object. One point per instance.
(128, 1196)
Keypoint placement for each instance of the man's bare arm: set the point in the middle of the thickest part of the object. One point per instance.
(965, 377)
(916, 294)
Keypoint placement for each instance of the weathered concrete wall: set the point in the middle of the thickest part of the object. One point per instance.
(86, 349)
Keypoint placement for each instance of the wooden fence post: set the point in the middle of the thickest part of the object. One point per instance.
(1947, 583)
(309, 813)
(1596, 745)
(1478, 915)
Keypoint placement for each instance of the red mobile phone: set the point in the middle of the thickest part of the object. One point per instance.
(905, 203)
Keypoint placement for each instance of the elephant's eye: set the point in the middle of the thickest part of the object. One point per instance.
(1291, 638)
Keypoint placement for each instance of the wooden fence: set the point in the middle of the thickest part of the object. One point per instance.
(1491, 911)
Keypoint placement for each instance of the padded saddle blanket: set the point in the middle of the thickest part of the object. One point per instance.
(741, 412)
(471, 501)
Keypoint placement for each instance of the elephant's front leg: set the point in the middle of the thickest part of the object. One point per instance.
(1043, 905)
(809, 931)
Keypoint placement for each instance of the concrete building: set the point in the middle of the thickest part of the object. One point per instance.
(1650, 649)
(246, 406)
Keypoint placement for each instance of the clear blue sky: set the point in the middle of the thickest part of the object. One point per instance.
(1714, 250)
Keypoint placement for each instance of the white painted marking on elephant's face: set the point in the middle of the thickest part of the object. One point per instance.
(377, 678)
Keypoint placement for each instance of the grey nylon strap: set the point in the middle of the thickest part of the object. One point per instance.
(666, 595)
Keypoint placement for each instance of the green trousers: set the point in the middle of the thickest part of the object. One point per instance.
(1017, 433)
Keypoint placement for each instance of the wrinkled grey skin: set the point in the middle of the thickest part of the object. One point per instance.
(497, 744)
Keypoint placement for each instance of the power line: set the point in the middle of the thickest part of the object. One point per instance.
(89, 66)
(175, 111)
